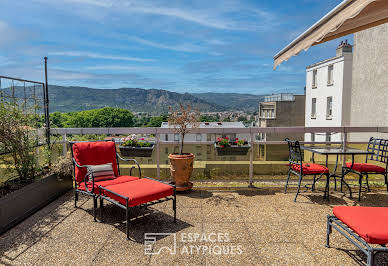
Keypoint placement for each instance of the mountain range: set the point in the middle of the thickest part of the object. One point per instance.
(69, 99)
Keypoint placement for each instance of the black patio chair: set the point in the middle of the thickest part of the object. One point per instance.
(379, 148)
(300, 169)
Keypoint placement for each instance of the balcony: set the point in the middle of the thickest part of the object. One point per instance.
(241, 198)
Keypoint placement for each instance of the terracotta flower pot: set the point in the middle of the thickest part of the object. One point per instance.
(181, 167)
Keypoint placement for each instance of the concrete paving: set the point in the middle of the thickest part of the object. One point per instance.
(232, 227)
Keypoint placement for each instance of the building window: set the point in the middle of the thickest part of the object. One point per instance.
(166, 137)
(312, 136)
(208, 137)
(314, 78)
(330, 75)
(198, 137)
(329, 107)
(328, 136)
(313, 108)
(176, 137)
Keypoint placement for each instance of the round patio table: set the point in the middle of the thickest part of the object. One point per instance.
(337, 151)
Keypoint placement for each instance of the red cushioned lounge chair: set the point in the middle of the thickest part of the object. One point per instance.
(123, 191)
(363, 226)
(379, 147)
(300, 169)
(96, 153)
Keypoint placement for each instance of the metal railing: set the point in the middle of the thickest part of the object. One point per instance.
(252, 132)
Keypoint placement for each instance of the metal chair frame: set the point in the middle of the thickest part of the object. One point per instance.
(127, 208)
(91, 193)
(379, 148)
(295, 158)
(343, 229)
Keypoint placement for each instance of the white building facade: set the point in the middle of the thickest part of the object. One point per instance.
(328, 94)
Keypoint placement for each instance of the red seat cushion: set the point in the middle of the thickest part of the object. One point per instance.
(94, 153)
(311, 168)
(366, 167)
(139, 191)
(370, 223)
(104, 183)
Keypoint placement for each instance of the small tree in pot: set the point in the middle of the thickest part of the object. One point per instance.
(183, 121)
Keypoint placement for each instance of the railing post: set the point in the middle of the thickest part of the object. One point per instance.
(344, 143)
(157, 135)
(251, 162)
(64, 140)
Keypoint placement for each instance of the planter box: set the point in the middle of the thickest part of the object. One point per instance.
(22, 203)
(136, 151)
(233, 150)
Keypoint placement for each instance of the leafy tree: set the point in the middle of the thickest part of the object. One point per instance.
(157, 121)
(57, 119)
(104, 117)
(208, 118)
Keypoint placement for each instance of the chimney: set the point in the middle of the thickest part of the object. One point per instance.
(343, 47)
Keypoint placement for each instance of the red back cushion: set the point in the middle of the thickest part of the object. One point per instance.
(94, 153)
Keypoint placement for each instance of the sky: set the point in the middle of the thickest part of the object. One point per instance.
(182, 46)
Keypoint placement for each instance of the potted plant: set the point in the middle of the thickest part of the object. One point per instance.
(226, 147)
(134, 147)
(181, 164)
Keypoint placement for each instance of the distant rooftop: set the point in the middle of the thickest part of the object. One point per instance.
(342, 49)
(213, 125)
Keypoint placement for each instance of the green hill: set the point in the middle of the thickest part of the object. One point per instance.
(69, 99)
(233, 101)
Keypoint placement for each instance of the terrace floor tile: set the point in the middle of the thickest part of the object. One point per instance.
(264, 226)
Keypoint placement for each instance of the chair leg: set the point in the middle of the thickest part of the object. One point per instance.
(370, 261)
(342, 180)
(335, 183)
(327, 187)
(359, 188)
(75, 198)
(299, 183)
(94, 208)
(288, 178)
(127, 219)
(328, 232)
(314, 180)
(386, 180)
(101, 209)
(367, 182)
(174, 206)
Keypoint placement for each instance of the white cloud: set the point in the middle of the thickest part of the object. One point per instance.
(214, 15)
(180, 47)
(142, 69)
(9, 35)
(100, 56)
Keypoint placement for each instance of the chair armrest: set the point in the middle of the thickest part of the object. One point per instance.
(130, 160)
(86, 178)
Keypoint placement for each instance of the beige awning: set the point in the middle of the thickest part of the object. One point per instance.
(348, 17)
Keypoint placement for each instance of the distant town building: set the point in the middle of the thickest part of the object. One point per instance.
(328, 94)
(200, 137)
(280, 110)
